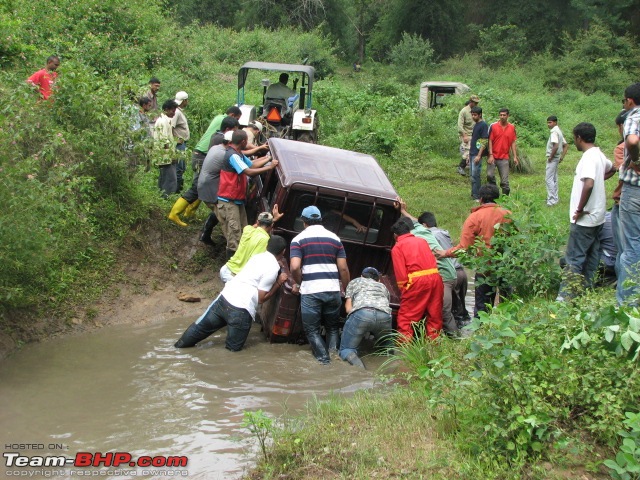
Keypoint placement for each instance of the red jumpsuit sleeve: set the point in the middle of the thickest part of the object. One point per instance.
(399, 267)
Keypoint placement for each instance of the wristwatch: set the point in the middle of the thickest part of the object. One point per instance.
(296, 285)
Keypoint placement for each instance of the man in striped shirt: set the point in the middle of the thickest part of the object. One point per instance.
(319, 270)
(628, 289)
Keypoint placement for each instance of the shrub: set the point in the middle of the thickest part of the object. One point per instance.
(412, 51)
(524, 253)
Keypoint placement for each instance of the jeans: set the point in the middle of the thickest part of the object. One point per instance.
(485, 294)
(181, 165)
(449, 324)
(629, 225)
(503, 171)
(459, 307)
(476, 172)
(617, 235)
(551, 178)
(167, 181)
(217, 315)
(358, 324)
(318, 309)
(582, 257)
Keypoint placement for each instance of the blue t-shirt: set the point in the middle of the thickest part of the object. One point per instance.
(480, 130)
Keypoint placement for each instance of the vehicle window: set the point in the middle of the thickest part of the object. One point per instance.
(350, 220)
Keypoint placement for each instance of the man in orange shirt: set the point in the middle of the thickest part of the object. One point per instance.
(481, 224)
(45, 78)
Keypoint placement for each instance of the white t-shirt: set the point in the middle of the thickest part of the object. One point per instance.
(555, 136)
(593, 164)
(260, 272)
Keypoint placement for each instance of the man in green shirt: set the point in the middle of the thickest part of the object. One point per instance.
(446, 269)
(253, 241)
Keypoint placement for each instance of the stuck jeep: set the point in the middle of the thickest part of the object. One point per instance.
(350, 189)
(291, 118)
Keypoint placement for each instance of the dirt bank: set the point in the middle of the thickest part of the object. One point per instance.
(156, 262)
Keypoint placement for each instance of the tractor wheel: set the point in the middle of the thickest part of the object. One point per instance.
(305, 137)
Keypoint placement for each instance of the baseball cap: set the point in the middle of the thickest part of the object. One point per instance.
(265, 218)
(311, 212)
(474, 98)
(228, 136)
(181, 97)
(256, 124)
(370, 272)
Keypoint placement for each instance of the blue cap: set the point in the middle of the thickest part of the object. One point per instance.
(311, 213)
(370, 272)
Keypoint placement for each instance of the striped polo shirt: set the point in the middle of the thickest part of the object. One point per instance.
(319, 249)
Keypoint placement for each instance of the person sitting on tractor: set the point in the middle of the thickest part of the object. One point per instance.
(279, 92)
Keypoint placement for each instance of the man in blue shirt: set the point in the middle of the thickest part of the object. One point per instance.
(477, 150)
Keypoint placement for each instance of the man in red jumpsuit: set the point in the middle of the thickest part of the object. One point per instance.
(420, 284)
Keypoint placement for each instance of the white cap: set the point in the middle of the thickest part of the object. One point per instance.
(228, 135)
(181, 97)
(256, 124)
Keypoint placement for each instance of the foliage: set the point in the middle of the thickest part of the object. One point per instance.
(521, 393)
(626, 465)
(524, 253)
(412, 51)
(502, 45)
(260, 425)
(594, 60)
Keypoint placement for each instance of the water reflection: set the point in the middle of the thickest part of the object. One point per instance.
(126, 389)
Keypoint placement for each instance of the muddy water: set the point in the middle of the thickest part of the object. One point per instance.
(126, 389)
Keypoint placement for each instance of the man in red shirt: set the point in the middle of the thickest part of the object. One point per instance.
(502, 139)
(481, 224)
(45, 78)
(420, 284)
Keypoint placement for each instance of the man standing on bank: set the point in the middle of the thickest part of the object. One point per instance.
(556, 150)
(502, 140)
(319, 269)
(465, 128)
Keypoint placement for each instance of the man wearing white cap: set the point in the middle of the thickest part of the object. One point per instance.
(319, 269)
(181, 133)
(254, 129)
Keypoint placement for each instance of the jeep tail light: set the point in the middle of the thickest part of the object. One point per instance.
(306, 120)
(274, 115)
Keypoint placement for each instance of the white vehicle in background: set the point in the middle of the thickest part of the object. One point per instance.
(434, 94)
(292, 118)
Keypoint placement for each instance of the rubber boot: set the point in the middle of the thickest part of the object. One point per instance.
(207, 229)
(319, 348)
(354, 360)
(333, 340)
(178, 207)
(190, 211)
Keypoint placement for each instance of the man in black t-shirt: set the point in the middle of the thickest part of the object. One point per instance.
(477, 150)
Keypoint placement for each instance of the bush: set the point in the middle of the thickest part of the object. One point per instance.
(594, 60)
(412, 51)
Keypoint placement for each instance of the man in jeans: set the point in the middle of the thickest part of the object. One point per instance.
(319, 269)
(586, 212)
(236, 305)
(367, 306)
(502, 139)
(477, 150)
(628, 289)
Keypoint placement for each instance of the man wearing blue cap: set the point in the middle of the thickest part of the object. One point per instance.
(319, 269)
(367, 304)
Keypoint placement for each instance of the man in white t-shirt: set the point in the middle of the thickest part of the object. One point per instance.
(236, 305)
(556, 150)
(586, 213)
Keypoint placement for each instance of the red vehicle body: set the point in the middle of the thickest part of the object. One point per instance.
(339, 182)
